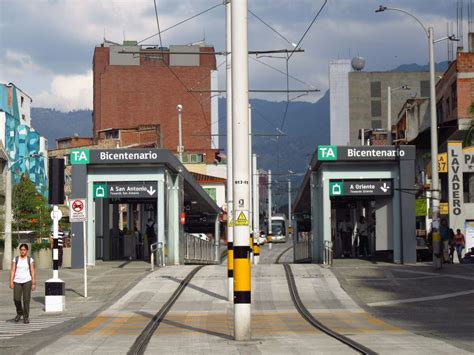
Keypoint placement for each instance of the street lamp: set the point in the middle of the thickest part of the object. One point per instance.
(389, 110)
(179, 108)
(433, 129)
(7, 249)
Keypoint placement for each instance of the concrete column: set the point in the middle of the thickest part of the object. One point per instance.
(217, 238)
(106, 237)
(173, 222)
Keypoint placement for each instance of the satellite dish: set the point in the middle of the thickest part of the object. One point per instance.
(358, 63)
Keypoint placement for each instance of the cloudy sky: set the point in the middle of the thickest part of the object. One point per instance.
(47, 45)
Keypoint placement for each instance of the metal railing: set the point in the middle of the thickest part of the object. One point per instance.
(157, 255)
(199, 251)
(328, 253)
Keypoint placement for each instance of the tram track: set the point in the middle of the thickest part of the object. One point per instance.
(141, 343)
(306, 314)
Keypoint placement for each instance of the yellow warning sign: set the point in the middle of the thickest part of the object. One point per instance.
(241, 220)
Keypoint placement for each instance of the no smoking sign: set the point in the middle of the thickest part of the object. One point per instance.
(77, 210)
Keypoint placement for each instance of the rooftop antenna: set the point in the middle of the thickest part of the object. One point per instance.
(123, 35)
(449, 43)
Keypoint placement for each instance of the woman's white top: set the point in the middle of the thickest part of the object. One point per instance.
(22, 273)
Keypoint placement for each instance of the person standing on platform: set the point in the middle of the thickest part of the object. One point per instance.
(444, 234)
(22, 282)
(459, 243)
(345, 231)
(150, 232)
(363, 231)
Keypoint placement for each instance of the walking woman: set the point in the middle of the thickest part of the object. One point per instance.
(22, 281)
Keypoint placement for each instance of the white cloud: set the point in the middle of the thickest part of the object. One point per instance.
(67, 92)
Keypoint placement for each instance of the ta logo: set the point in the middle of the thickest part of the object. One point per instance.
(327, 152)
(79, 156)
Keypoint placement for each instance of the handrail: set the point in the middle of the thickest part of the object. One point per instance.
(156, 247)
(328, 253)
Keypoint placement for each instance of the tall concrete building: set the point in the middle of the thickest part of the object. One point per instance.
(339, 97)
(368, 97)
(140, 86)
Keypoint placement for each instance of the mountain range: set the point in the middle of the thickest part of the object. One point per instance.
(303, 127)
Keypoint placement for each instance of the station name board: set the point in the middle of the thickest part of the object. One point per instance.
(85, 156)
(344, 153)
(361, 188)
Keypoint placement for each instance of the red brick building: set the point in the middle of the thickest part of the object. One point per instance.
(141, 86)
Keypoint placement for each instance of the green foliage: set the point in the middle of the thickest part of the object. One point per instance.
(35, 247)
(30, 209)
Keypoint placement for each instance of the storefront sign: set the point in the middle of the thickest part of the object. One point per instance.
(421, 207)
(362, 153)
(455, 182)
(469, 234)
(361, 188)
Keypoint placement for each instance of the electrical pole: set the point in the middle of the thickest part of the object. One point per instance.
(7, 248)
(290, 227)
(230, 182)
(389, 116)
(251, 236)
(256, 229)
(269, 222)
(240, 141)
(179, 108)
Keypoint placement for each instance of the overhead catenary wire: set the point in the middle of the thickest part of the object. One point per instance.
(309, 27)
(179, 23)
(272, 28)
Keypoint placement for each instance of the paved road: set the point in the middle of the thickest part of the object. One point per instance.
(435, 304)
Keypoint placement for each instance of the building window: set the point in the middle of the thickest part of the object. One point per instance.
(454, 96)
(425, 88)
(193, 158)
(23, 117)
(377, 124)
(113, 134)
(376, 108)
(211, 191)
(22, 101)
(440, 111)
(375, 89)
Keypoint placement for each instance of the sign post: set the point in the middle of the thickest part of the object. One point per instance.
(77, 213)
(55, 288)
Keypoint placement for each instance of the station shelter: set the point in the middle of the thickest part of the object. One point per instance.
(344, 183)
(138, 189)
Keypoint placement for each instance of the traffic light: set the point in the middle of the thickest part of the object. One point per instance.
(56, 181)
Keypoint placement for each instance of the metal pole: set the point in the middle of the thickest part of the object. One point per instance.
(7, 249)
(84, 229)
(269, 221)
(230, 182)
(251, 235)
(180, 133)
(290, 227)
(242, 288)
(389, 115)
(434, 152)
(256, 230)
(217, 238)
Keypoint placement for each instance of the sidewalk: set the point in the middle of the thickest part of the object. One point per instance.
(107, 281)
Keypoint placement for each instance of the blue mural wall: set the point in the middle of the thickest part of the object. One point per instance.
(22, 141)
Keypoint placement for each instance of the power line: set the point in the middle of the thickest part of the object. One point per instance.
(309, 27)
(282, 72)
(180, 23)
(273, 29)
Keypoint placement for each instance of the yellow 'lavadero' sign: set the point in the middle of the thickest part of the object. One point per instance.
(443, 208)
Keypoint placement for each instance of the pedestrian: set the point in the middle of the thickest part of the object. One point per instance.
(451, 246)
(444, 234)
(345, 231)
(363, 231)
(22, 281)
(138, 244)
(459, 242)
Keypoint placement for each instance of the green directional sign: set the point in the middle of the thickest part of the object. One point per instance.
(100, 191)
(80, 156)
(336, 188)
(327, 152)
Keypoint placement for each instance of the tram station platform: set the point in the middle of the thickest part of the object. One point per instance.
(201, 320)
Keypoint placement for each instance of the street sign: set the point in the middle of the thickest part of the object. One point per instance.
(77, 210)
(56, 214)
(80, 156)
(128, 189)
(361, 188)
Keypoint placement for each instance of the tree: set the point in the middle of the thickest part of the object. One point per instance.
(30, 210)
